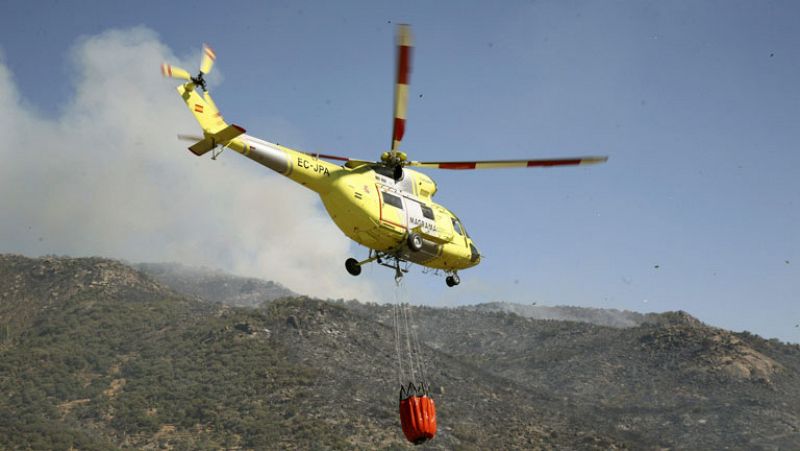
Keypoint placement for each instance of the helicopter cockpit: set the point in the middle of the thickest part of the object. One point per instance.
(459, 229)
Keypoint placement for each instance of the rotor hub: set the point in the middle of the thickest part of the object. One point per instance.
(394, 158)
(199, 81)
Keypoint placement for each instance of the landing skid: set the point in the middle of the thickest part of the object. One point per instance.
(394, 262)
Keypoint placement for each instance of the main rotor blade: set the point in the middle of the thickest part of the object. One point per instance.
(350, 162)
(329, 157)
(208, 59)
(194, 138)
(404, 46)
(174, 72)
(498, 164)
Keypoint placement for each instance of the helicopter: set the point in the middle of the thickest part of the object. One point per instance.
(383, 205)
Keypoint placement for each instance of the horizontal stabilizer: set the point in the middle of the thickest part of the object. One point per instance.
(220, 138)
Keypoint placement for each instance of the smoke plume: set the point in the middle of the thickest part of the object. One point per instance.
(106, 176)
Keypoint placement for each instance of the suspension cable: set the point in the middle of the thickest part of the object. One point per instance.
(408, 342)
(397, 346)
(418, 348)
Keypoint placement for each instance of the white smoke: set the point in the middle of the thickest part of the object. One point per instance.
(106, 176)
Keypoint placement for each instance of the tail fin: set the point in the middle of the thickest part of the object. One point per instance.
(216, 131)
(203, 108)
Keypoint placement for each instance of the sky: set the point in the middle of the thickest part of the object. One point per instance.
(695, 103)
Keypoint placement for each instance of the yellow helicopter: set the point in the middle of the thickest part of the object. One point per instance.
(382, 205)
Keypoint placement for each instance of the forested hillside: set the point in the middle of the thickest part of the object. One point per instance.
(95, 354)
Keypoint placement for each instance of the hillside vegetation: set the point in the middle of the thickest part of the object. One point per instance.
(95, 354)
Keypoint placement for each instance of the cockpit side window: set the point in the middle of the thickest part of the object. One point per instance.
(457, 226)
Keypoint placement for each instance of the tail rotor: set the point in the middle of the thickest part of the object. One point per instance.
(175, 72)
(205, 67)
(208, 59)
(215, 130)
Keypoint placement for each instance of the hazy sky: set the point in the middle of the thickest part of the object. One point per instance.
(695, 102)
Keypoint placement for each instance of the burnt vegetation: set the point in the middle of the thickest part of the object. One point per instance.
(95, 354)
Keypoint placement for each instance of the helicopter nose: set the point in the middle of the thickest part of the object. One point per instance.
(475, 255)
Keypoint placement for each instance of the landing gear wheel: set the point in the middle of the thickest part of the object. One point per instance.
(352, 266)
(414, 242)
(452, 281)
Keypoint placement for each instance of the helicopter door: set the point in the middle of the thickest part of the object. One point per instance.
(392, 211)
(421, 216)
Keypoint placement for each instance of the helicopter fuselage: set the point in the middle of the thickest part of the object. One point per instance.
(382, 205)
(372, 208)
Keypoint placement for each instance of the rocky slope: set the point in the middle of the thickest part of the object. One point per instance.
(97, 355)
(601, 317)
(671, 382)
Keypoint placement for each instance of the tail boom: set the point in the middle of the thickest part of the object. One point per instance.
(305, 169)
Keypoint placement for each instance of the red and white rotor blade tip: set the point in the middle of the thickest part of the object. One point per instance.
(499, 164)
(404, 46)
(174, 72)
(208, 59)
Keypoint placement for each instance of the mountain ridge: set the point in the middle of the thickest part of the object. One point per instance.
(110, 358)
(95, 354)
(214, 285)
(599, 316)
